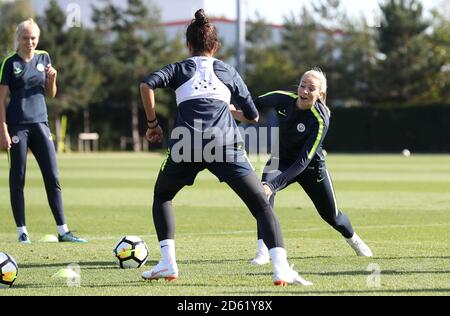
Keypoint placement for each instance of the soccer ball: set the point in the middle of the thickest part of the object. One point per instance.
(8, 270)
(130, 252)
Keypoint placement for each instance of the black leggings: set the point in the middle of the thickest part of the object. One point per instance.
(318, 186)
(37, 137)
(247, 187)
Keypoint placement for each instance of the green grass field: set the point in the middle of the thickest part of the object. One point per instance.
(400, 206)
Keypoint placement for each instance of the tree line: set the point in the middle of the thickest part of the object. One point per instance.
(403, 61)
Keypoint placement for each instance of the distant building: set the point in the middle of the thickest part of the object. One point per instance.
(175, 15)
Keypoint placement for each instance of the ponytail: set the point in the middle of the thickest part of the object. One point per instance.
(202, 34)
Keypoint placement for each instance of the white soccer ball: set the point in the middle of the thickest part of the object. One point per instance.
(8, 270)
(130, 252)
(406, 153)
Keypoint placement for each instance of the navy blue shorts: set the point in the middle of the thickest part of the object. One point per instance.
(234, 164)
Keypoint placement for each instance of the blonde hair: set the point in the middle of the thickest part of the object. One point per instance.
(27, 23)
(317, 73)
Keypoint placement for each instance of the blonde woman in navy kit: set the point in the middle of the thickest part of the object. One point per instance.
(29, 76)
(303, 119)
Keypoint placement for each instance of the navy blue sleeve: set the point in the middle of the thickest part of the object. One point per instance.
(5, 72)
(239, 91)
(316, 136)
(161, 78)
(268, 100)
(171, 76)
(274, 99)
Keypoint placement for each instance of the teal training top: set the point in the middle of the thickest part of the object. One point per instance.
(26, 82)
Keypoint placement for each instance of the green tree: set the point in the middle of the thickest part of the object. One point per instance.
(135, 46)
(259, 32)
(437, 77)
(403, 53)
(354, 67)
(332, 35)
(11, 14)
(300, 41)
(77, 78)
(316, 39)
(267, 66)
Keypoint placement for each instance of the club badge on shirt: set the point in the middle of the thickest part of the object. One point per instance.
(17, 68)
(15, 139)
(40, 67)
(301, 127)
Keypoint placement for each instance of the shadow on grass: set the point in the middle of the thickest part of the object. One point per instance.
(305, 291)
(62, 284)
(359, 272)
(384, 272)
(111, 264)
(83, 265)
(211, 261)
(238, 260)
(310, 257)
(413, 257)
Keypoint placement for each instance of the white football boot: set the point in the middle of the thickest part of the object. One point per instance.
(286, 276)
(359, 246)
(262, 257)
(167, 271)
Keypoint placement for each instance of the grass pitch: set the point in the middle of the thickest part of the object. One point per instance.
(399, 205)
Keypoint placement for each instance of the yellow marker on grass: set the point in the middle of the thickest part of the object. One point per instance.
(63, 129)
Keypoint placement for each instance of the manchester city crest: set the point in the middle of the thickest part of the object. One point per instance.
(40, 67)
(17, 68)
(301, 127)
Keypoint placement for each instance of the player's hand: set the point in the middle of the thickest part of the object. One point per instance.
(231, 107)
(267, 190)
(50, 72)
(6, 141)
(154, 135)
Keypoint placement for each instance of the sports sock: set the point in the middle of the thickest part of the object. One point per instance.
(22, 230)
(262, 246)
(168, 250)
(353, 238)
(62, 229)
(279, 258)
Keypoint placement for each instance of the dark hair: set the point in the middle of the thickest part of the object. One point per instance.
(202, 34)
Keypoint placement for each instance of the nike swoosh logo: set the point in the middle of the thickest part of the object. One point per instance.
(282, 113)
(155, 273)
(320, 180)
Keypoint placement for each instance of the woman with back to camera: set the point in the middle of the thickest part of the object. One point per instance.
(29, 76)
(204, 87)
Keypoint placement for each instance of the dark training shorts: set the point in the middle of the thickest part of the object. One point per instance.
(233, 164)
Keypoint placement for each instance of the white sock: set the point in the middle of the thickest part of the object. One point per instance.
(262, 246)
(279, 258)
(353, 238)
(22, 230)
(62, 229)
(168, 250)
